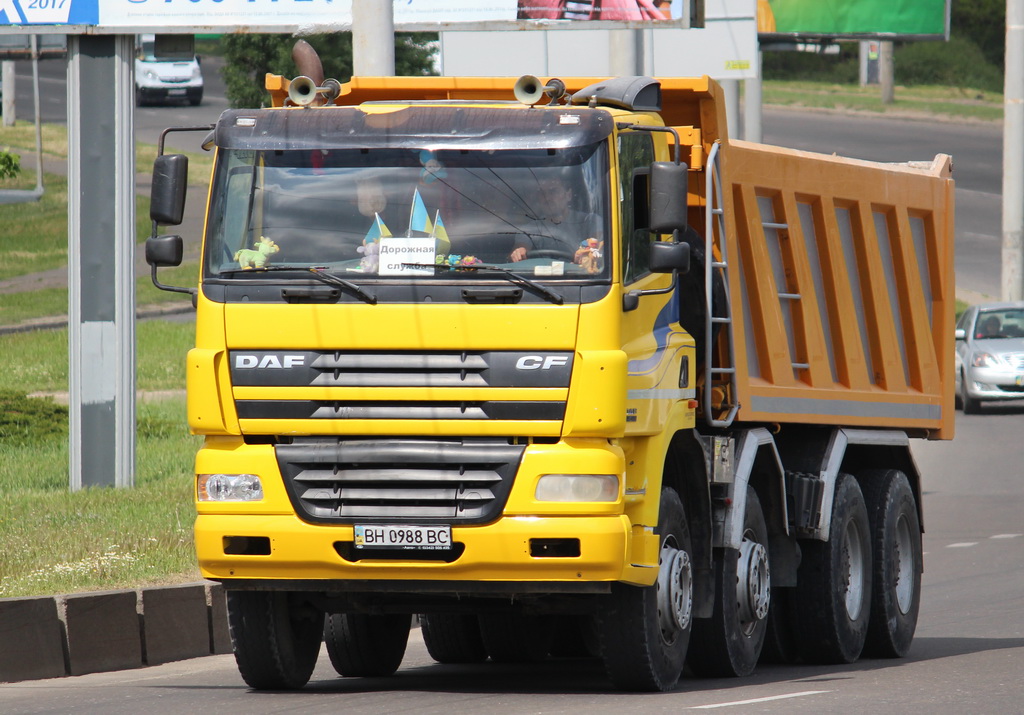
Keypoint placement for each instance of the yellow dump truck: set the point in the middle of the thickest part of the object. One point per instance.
(559, 368)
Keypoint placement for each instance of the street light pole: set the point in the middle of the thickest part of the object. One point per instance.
(1013, 153)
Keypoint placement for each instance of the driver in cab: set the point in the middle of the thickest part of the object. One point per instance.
(557, 230)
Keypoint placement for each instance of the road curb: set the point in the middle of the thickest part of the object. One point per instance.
(55, 636)
(61, 321)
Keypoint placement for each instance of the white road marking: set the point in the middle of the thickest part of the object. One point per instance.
(1004, 536)
(760, 700)
(962, 545)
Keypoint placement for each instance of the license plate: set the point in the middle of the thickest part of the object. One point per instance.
(401, 536)
(175, 92)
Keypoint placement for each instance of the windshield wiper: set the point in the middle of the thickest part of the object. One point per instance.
(317, 272)
(512, 276)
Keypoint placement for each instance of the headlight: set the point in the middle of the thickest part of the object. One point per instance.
(984, 360)
(150, 74)
(578, 487)
(229, 487)
(197, 73)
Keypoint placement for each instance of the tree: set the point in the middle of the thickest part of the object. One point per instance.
(250, 57)
(984, 23)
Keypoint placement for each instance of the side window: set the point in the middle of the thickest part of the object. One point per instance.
(636, 152)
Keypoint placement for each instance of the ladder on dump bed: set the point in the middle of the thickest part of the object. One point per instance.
(715, 215)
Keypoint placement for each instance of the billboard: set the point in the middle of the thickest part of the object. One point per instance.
(309, 16)
(854, 19)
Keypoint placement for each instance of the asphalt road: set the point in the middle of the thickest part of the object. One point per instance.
(970, 640)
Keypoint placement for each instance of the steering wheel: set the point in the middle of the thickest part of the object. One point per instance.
(551, 253)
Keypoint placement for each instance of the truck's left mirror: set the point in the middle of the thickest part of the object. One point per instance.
(164, 250)
(167, 196)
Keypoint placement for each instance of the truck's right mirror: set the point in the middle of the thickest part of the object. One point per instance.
(167, 195)
(668, 196)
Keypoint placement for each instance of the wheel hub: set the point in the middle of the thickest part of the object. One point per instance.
(675, 590)
(753, 587)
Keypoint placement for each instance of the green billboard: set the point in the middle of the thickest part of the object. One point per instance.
(854, 18)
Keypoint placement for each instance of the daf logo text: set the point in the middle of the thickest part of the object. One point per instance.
(278, 362)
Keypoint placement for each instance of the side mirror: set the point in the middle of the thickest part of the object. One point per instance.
(960, 334)
(164, 251)
(669, 186)
(670, 257)
(167, 195)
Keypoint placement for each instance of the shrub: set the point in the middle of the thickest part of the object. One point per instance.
(957, 63)
(30, 419)
(9, 165)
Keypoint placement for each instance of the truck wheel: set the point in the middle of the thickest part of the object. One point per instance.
(645, 631)
(896, 546)
(729, 643)
(516, 637)
(453, 638)
(834, 582)
(276, 640)
(366, 646)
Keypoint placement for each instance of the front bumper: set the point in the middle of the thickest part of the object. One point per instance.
(496, 552)
(987, 383)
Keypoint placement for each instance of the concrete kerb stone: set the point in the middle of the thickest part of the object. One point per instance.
(102, 631)
(174, 622)
(31, 639)
(76, 634)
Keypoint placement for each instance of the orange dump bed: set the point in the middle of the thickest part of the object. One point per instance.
(841, 287)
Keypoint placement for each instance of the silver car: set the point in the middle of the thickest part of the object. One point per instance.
(989, 354)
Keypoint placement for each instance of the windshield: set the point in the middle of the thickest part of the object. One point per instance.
(1007, 323)
(401, 213)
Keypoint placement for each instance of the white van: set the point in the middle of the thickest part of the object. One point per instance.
(164, 79)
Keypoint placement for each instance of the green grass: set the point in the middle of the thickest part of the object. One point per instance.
(947, 102)
(56, 541)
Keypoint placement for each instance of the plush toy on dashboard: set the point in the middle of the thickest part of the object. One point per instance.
(588, 255)
(264, 249)
(371, 256)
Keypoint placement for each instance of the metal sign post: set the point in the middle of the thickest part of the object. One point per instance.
(101, 260)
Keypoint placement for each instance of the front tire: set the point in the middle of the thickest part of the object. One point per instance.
(645, 631)
(276, 638)
(729, 643)
(366, 646)
(896, 543)
(970, 405)
(834, 582)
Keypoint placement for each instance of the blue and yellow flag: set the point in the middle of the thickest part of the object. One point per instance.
(439, 232)
(419, 220)
(377, 230)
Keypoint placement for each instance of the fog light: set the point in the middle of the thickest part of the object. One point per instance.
(578, 487)
(229, 487)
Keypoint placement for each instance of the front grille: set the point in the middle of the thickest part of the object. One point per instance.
(1015, 359)
(414, 481)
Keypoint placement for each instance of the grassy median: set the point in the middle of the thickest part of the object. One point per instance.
(58, 541)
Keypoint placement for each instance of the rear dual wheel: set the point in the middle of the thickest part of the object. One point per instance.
(898, 559)
(366, 645)
(833, 593)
